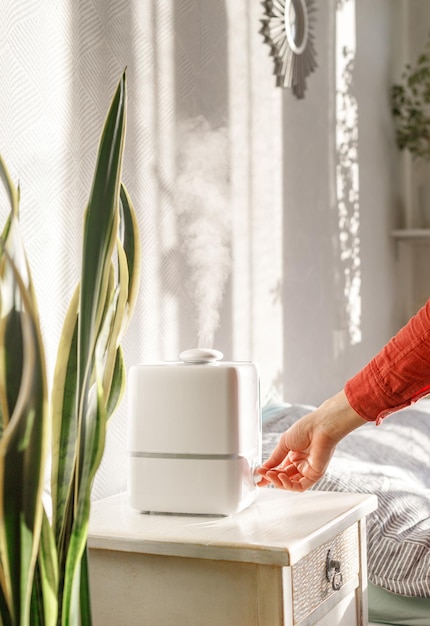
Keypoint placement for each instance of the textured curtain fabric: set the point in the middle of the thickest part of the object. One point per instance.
(188, 63)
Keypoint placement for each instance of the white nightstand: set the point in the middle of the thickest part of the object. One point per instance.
(265, 566)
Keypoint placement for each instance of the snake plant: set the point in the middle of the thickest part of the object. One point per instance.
(43, 557)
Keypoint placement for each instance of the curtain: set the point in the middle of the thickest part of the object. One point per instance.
(192, 66)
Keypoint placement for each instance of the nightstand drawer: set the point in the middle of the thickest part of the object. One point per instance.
(311, 585)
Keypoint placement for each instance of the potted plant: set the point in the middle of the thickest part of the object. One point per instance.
(410, 106)
(43, 558)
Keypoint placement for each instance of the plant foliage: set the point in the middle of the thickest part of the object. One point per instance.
(410, 102)
(43, 560)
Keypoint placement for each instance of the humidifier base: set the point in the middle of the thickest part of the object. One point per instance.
(190, 485)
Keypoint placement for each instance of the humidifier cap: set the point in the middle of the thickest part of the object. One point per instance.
(201, 355)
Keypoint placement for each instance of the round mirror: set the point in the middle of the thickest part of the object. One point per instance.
(287, 28)
(296, 25)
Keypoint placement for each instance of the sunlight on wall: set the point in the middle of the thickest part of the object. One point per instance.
(201, 66)
(151, 138)
(347, 170)
(255, 116)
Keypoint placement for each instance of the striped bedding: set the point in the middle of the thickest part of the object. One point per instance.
(392, 461)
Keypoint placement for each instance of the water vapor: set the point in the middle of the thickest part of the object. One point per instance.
(203, 207)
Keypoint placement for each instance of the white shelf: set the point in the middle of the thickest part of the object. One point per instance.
(411, 233)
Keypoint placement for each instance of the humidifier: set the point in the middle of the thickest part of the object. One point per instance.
(194, 435)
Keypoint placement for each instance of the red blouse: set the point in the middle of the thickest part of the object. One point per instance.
(398, 375)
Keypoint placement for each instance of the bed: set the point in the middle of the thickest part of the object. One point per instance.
(392, 461)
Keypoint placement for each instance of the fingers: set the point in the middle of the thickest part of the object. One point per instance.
(294, 482)
(284, 464)
(269, 474)
(278, 455)
(288, 477)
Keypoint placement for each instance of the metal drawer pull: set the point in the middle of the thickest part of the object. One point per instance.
(333, 573)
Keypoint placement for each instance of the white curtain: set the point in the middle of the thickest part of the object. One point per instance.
(202, 61)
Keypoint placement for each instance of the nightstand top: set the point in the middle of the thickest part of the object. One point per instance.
(279, 528)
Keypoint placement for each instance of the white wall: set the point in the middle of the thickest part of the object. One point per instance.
(284, 302)
(322, 342)
(320, 353)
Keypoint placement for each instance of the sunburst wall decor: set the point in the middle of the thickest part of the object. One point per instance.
(287, 28)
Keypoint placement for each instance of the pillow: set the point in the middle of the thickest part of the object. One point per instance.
(393, 462)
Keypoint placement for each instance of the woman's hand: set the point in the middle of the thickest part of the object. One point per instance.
(304, 451)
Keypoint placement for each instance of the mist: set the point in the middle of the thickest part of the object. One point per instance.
(203, 205)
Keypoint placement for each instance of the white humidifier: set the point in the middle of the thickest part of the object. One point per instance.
(194, 435)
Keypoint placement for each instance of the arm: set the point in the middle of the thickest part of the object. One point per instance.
(397, 376)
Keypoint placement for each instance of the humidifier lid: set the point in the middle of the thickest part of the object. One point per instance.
(200, 355)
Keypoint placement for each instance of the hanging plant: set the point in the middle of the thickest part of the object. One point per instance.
(410, 106)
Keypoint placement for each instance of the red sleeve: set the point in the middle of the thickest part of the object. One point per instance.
(398, 375)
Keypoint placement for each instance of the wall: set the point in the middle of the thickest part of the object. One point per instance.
(302, 224)
(414, 255)
(340, 174)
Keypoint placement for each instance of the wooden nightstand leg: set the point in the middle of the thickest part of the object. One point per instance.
(287, 585)
(274, 596)
(362, 606)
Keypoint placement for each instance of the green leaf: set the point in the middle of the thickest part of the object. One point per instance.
(113, 322)
(85, 600)
(100, 231)
(129, 235)
(410, 106)
(44, 567)
(118, 384)
(44, 608)
(64, 423)
(11, 190)
(87, 365)
(22, 447)
(92, 446)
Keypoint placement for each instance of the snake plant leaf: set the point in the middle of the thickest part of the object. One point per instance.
(64, 418)
(89, 373)
(12, 246)
(129, 258)
(43, 566)
(129, 235)
(22, 446)
(85, 600)
(44, 606)
(117, 387)
(11, 190)
(5, 616)
(11, 236)
(23, 402)
(100, 226)
(93, 419)
(92, 445)
(113, 323)
(100, 230)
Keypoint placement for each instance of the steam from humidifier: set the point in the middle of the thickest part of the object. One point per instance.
(202, 193)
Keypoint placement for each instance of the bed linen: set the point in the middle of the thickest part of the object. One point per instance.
(392, 461)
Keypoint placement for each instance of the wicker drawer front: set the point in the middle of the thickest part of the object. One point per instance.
(310, 584)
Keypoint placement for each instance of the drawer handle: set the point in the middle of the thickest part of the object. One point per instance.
(333, 573)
